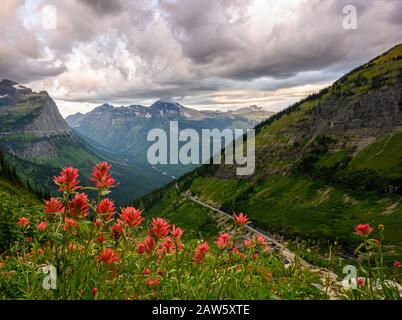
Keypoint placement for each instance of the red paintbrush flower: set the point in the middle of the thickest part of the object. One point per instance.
(260, 240)
(41, 226)
(249, 243)
(153, 282)
(237, 252)
(101, 176)
(108, 256)
(131, 216)
(67, 180)
(117, 229)
(71, 246)
(397, 264)
(23, 222)
(363, 229)
(159, 228)
(200, 252)
(223, 240)
(94, 291)
(147, 271)
(167, 244)
(78, 206)
(360, 281)
(146, 246)
(101, 238)
(98, 223)
(54, 205)
(176, 232)
(106, 209)
(241, 219)
(69, 223)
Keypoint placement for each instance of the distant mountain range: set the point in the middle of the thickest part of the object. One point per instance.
(123, 130)
(38, 141)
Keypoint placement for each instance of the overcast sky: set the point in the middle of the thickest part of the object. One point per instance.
(202, 53)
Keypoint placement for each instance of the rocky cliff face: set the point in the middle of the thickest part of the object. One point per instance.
(27, 120)
(24, 111)
(360, 117)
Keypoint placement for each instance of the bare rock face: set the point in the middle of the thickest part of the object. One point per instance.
(27, 112)
(370, 115)
(49, 122)
(27, 120)
(35, 149)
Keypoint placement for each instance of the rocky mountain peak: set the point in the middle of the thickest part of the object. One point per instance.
(10, 90)
(23, 111)
(165, 106)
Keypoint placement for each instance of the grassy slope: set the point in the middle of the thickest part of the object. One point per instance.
(15, 202)
(193, 218)
(134, 181)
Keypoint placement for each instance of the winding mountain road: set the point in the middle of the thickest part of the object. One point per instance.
(287, 256)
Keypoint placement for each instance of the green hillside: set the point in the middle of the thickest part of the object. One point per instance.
(15, 202)
(71, 150)
(323, 165)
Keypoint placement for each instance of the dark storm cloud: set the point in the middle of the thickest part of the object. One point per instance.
(314, 40)
(104, 7)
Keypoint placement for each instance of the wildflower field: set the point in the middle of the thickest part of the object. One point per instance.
(79, 247)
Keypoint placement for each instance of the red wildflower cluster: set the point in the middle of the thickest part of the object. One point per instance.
(363, 229)
(67, 180)
(241, 219)
(108, 256)
(41, 226)
(249, 243)
(176, 234)
(117, 230)
(237, 252)
(223, 241)
(106, 209)
(69, 223)
(101, 176)
(200, 252)
(98, 223)
(165, 246)
(131, 216)
(100, 238)
(54, 205)
(23, 222)
(397, 264)
(152, 282)
(78, 206)
(146, 246)
(159, 228)
(260, 240)
(147, 271)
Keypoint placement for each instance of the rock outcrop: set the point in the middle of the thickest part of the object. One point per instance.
(28, 121)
